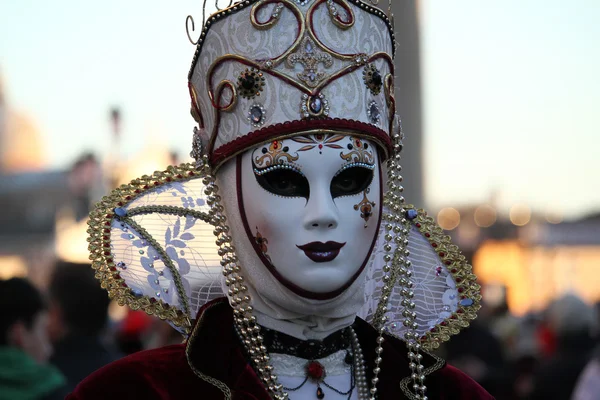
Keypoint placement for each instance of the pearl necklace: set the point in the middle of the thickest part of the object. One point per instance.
(359, 368)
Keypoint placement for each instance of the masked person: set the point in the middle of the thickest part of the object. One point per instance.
(297, 154)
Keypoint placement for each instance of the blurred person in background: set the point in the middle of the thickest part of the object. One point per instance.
(24, 345)
(132, 331)
(588, 383)
(478, 353)
(85, 184)
(525, 356)
(78, 316)
(571, 321)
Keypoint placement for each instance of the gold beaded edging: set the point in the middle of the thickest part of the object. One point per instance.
(188, 349)
(462, 273)
(439, 363)
(103, 261)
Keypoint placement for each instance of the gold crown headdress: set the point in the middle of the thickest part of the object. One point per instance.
(269, 69)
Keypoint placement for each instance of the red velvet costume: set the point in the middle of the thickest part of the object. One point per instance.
(214, 351)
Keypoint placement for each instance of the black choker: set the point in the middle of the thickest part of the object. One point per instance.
(277, 342)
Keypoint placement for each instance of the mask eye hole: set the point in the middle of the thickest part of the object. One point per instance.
(284, 182)
(351, 181)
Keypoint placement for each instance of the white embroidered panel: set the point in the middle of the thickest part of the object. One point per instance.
(187, 241)
(435, 294)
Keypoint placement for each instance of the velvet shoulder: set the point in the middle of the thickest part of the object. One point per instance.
(456, 385)
(151, 374)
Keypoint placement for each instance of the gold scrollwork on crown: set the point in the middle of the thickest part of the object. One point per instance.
(273, 18)
(336, 17)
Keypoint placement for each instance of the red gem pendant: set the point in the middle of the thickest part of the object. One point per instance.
(315, 371)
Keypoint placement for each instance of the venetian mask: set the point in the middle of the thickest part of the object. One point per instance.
(311, 207)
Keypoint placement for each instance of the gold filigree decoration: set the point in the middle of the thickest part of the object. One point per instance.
(308, 56)
(359, 152)
(273, 18)
(335, 15)
(276, 153)
(365, 207)
(462, 273)
(107, 211)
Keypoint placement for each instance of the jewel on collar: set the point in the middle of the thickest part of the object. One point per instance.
(315, 371)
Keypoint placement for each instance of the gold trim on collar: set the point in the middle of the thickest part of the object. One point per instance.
(215, 382)
(439, 363)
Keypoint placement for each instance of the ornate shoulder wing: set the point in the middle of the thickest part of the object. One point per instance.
(153, 248)
(443, 287)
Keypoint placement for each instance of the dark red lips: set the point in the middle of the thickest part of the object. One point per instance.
(322, 252)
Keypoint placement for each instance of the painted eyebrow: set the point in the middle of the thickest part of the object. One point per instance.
(354, 164)
(283, 165)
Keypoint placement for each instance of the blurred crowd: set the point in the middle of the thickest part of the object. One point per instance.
(552, 354)
(52, 338)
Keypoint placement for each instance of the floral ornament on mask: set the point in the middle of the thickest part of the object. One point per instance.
(262, 243)
(276, 153)
(360, 152)
(319, 140)
(365, 207)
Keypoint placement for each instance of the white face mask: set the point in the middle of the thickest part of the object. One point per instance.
(311, 206)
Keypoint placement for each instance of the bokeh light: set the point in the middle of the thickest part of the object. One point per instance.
(485, 216)
(554, 217)
(448, 218)
(520, 214)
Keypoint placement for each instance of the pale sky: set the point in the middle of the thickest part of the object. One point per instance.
(511, 89)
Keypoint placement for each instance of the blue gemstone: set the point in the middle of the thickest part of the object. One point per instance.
(315, 105)
(411, 214)
(121, 212)
(466, 302)
(137, 292)
(374, 111)
(256, 114)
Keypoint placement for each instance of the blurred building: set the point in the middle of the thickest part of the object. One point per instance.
(21, 147)
(408, 94)
(536, 258)
(29, 195)
(43, 212)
